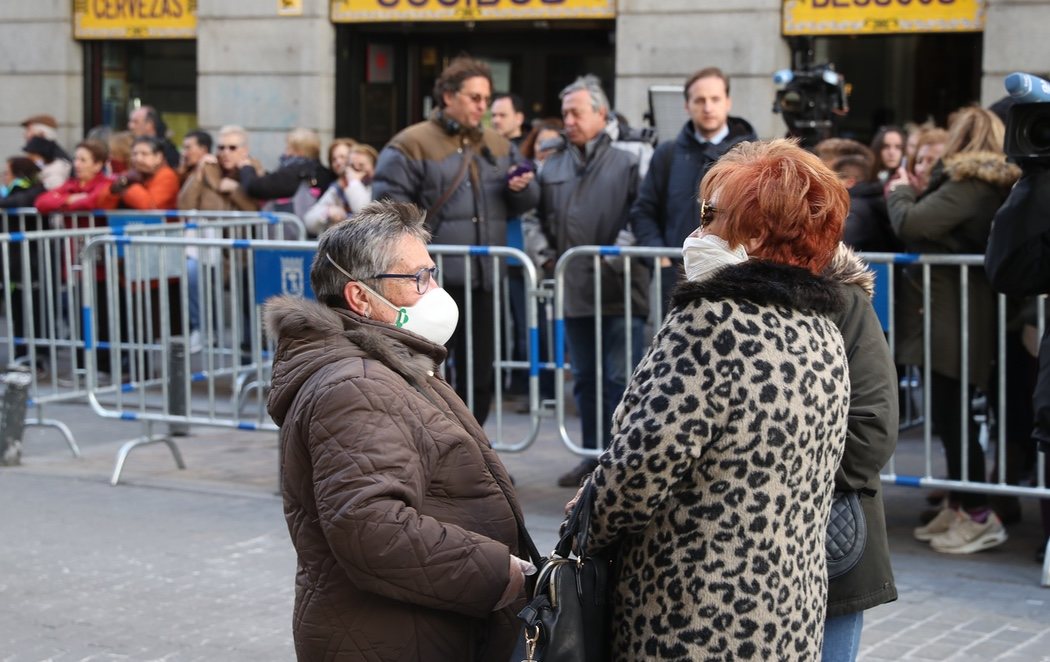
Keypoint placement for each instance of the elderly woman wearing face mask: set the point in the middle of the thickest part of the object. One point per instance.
(718, 482)
(403, 518)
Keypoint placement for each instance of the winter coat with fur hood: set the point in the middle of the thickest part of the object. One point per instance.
(954, 215)
(402, 516)
(871, 434)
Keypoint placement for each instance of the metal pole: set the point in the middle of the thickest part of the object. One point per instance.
(13, 417)
(177, 384)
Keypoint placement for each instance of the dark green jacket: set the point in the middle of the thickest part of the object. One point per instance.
(954, 216)
(871, 435)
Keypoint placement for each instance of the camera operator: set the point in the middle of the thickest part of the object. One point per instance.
(1018, 263)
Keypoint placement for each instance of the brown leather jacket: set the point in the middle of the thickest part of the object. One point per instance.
(400, 512)
(200, 190)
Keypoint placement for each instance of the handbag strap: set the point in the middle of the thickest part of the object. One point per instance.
(461, 174)
(575, 533)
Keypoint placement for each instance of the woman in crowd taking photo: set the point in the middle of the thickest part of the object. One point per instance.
(719, 478)
(888, 146)
(354, 164)
(953, 215)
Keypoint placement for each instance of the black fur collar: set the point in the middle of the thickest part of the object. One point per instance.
(765, 283)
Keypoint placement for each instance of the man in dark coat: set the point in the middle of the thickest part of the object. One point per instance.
(587, 189)
(458, 171)
(146, 121)
(1018, 263)
(666, 210)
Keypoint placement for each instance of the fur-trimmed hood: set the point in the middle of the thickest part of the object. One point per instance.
(847, 268)
(311, 336)
(377, 448)
(990, 167)
(766, 283)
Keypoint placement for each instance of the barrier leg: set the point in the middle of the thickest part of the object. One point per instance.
(1046, 565)
(13, 417)
(177, 386)
(145, 440)
(62, 428)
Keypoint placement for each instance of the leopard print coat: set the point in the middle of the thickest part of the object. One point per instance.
(718, 481)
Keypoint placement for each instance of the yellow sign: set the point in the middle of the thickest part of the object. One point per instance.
(382, 11)
(135, 19)
(826, 17)
(289, 7)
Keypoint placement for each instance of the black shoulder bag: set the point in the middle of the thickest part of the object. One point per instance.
(847, 534)
(568, 618)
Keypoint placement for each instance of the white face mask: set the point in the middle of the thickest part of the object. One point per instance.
(434, 316)
(705, 254)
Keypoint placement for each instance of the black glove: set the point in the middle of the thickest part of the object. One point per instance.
(124, 181)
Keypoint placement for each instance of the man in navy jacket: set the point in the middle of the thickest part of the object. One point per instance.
(666, 209)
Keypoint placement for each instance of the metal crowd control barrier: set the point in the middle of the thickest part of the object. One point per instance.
(629, 255)
(996, 484)
(887, 307)
(42, 294)
(144, 331)
(498, 256)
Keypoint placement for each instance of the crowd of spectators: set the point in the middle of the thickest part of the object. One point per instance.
(920, 188)
(140, 168)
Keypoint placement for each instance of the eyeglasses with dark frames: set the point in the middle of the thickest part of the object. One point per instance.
(707, 213)
(422, 278)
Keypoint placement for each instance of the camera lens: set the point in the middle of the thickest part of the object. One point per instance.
(791, 101)
(1039, 133)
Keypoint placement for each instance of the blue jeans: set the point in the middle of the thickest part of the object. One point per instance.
(842, 637)
(193, 276)
(579, 334)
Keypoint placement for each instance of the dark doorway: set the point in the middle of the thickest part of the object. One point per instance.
(385, 73)
(125, 74)
(904, 78)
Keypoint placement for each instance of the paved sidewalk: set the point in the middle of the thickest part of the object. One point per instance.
(197, 564)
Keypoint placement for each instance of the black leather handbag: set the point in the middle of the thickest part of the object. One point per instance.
(847, 534)
(569, 614)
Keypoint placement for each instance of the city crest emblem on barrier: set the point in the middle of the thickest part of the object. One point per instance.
(292, 276)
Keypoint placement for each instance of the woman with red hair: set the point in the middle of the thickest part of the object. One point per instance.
(718, 481)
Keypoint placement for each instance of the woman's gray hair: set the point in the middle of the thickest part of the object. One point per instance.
(364, 245)
(592, 86)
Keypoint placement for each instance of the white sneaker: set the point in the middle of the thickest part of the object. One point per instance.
(966, 536)
(936, 526)
(196, 344)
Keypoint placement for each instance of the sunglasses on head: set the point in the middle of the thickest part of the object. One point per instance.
(707, 212)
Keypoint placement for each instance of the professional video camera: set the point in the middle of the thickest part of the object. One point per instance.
(1028, 122)
(813, 96)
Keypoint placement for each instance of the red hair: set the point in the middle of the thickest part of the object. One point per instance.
(781, 196)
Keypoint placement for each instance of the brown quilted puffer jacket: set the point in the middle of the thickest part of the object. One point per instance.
(400, 512)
